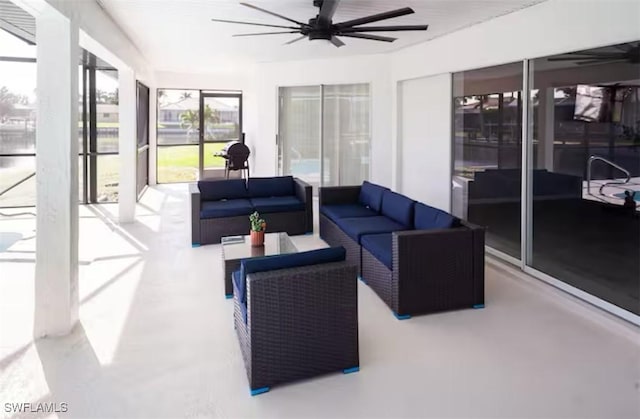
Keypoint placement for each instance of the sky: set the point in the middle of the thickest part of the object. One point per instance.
(20, 78)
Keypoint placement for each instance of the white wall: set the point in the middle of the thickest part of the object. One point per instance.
(552, 27)
(424, 117)
(373, 69)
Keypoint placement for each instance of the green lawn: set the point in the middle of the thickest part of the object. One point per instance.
(180, 163)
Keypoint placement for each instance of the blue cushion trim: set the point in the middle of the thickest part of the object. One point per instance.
(214, 190)
(380, 246)
(270, 186)
(398, 207)
(226, 208)
(335, 212)
(277, 204)
(371, 195)
(292, 260)
(356, 227)
(427, 218)
(238, 285)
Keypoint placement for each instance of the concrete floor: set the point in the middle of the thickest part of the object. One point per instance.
(156, 340)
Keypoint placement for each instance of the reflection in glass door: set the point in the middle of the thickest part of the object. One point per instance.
(220, 122)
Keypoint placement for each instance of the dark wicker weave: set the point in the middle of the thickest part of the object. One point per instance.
(301, 322)
(335, 195)
(433, 270)
(334, 236)
(211, 230)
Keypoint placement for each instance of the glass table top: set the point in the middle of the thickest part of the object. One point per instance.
(239, 247)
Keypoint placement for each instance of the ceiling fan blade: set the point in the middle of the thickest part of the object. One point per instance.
(264, 33)
(335, 41)
(375, 18)
(588, 57)
(371, 37)
(385, 28)
(327, 10)
(600, 61)
(295, 40)
(251, 23)
(273, 14)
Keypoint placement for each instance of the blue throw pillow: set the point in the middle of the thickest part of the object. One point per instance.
(216, 190)
(398, 207)
(371, 195)
(271, 186)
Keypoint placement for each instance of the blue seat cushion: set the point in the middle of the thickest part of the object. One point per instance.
(277, 204)
(270, 186)
(357, 227)
(398, 207)
(215, 190)
(291, 260)
(427, 218)
(380, 246)
(335, 212)
(371, 195)
(226, 208)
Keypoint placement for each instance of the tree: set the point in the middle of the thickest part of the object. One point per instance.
(7, 102)
(190, 119)
(185, 96)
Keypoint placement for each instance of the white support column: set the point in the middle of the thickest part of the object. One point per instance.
(546, 128)
(128, 146)
(56, 281)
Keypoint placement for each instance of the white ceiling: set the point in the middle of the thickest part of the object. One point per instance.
(178, 35)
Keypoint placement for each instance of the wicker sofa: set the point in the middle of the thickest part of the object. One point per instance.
(221, 207)
(418, 259)
(296, 316)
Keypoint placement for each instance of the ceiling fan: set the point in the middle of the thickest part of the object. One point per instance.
(322, 27)
(629, 52)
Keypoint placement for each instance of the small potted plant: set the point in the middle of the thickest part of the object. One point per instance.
(258, 225)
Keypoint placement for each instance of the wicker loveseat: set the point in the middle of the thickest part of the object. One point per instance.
(417, 258)
(221, 207)
(296, 316)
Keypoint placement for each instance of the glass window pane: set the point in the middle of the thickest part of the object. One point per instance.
(17, 107)
(346, 134)
(299, 133)
(177, 164)
(222, 118)
(487, 150)
(588, 237)
(108, 178)
(19, 173)
(107, 110)
(178, 116)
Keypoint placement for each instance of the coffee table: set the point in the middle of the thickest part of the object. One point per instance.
(236, 248)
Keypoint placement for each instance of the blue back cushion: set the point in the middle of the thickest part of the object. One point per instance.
(215, 190)
(398, 207)
(292, 260)
(427, 218)
(371, 195)
(270, 186)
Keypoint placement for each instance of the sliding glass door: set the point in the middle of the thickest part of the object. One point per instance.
(324, 133)
(547, 157)
(345, 134)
